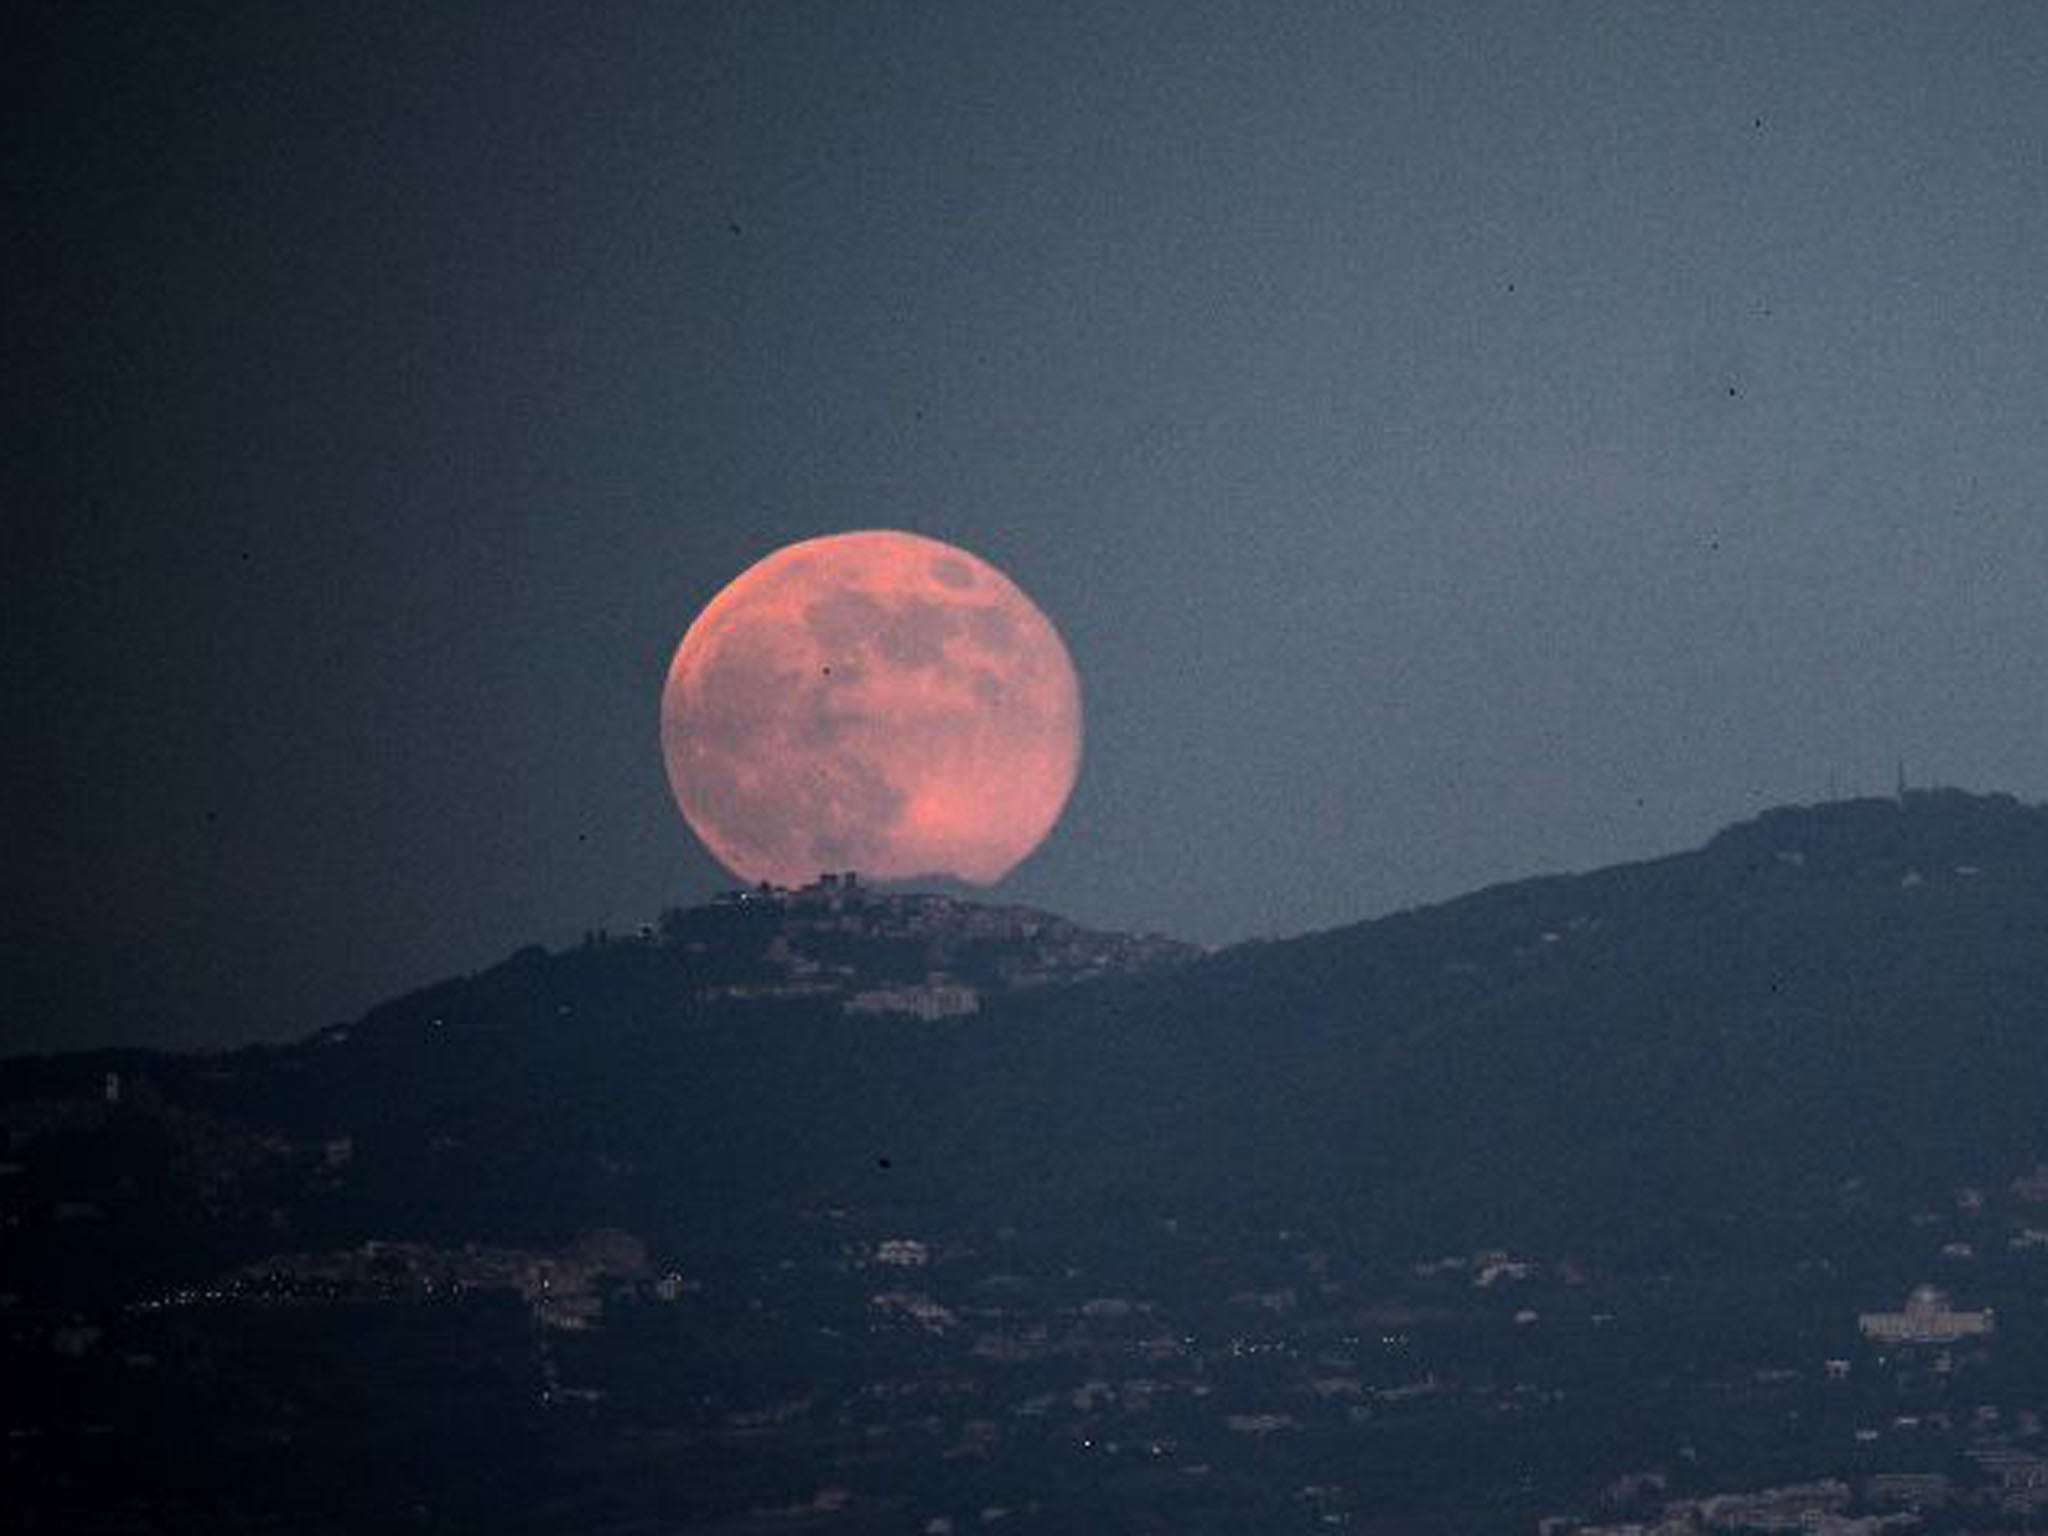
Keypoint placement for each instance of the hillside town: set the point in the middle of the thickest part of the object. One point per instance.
(864, 1376)
(948, 954)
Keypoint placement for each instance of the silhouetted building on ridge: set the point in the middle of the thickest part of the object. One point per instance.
(829, 883)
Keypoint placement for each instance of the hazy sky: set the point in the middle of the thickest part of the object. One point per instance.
(1457, 441)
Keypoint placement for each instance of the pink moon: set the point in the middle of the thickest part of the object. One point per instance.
(878, 702)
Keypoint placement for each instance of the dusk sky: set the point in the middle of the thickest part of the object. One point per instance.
(1455, 441)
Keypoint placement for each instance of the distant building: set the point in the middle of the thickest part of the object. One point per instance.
(903, 1252)
(1926, 1318)
(2032, 1187)
(830, 888)
(932, 999)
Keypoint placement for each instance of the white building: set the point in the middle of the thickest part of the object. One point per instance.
(1927, 1318)
(933, 999)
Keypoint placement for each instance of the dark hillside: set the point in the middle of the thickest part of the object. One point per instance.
(1636, 1057)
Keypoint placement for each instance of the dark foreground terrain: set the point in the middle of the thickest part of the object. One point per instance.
(1591, 1202)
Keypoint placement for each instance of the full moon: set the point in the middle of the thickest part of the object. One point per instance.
(878, 702)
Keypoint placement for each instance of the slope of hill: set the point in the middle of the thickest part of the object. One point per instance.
(784, 1183)
(1847, 991)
